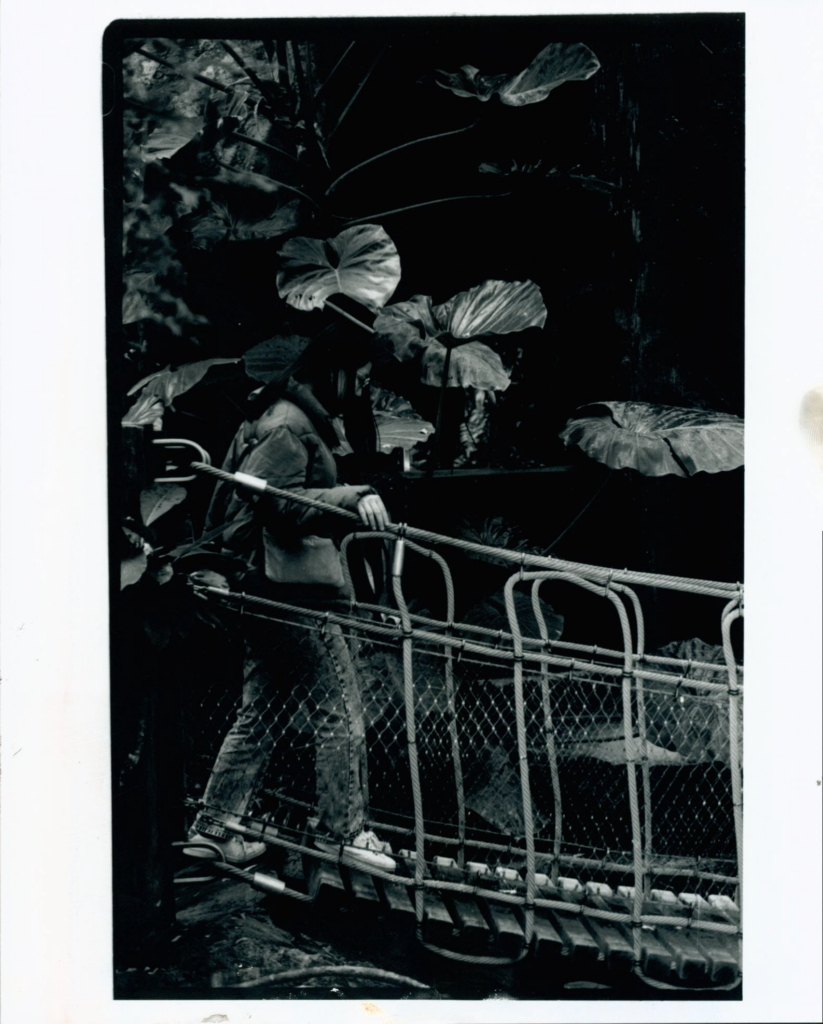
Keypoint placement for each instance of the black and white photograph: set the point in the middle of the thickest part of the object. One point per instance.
(427, 520)
(424, 490)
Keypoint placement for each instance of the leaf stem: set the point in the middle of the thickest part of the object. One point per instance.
(184, 74)
(267, 147)
(437, 450)
(417, 206)
(588, 504)
(276, 181)
(323, 85)
(395, 149)
(249, 72)
(356, 93)
(348, 316)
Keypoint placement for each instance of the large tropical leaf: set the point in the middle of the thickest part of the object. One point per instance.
(160, 389)
(135, 558)
(146, 411)
(159, 498)
(170, 138)
(494, 532)
(657, 440)
(218, 224)
(398, 424)
(684, 724)
(490, 613)
(168, 384)
(361, 262)
(415, 329)
(132, 569)
(135, 306)
(472, 365)
(689, 720)
(555, 64)
(470, 83)
(494, 307)
(274, 356)
(410, 326)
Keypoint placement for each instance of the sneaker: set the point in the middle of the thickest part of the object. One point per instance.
(236, 850)
(365, 851)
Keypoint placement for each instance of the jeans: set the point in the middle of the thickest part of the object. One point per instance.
(279, 657)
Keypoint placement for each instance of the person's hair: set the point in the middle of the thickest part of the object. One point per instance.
(329, 364)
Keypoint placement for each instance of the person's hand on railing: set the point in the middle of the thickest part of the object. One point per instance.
(373, 512)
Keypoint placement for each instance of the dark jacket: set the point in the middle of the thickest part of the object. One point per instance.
(288, 542)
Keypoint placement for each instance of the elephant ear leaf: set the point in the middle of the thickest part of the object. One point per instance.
(171, 137)
(469, 82)
(494, 307)
(159, 498)
(555, 64)
(473, 365)
(361, 263)
(656, 440)
(160, 389)
(168, 384)
(408, 326)
(399, 425)
(273, 357)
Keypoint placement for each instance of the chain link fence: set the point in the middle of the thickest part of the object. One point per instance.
(589, 724)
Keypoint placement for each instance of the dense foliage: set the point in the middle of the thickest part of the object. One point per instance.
(242, 237)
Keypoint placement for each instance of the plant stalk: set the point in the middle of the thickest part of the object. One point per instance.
(394, 149)
(348, 316)
(357, 92)
(250, 73)
(276, 181)
(417, 206)
(579, 515)
(267, 147)
(323, 85)
(437, 452)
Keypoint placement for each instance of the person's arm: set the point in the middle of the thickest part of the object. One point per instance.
(282, 459)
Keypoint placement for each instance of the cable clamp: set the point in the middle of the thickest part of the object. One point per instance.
(325, 625)
(608, 582)
(254, 483)
(522, 564)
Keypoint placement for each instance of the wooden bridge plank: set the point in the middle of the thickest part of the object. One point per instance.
(690, 964)
(577, 940)
(548, 942)
(359, 885)
(395, 898)
(507, 929)
(612, 939)
(723, 955)
(474, 929)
